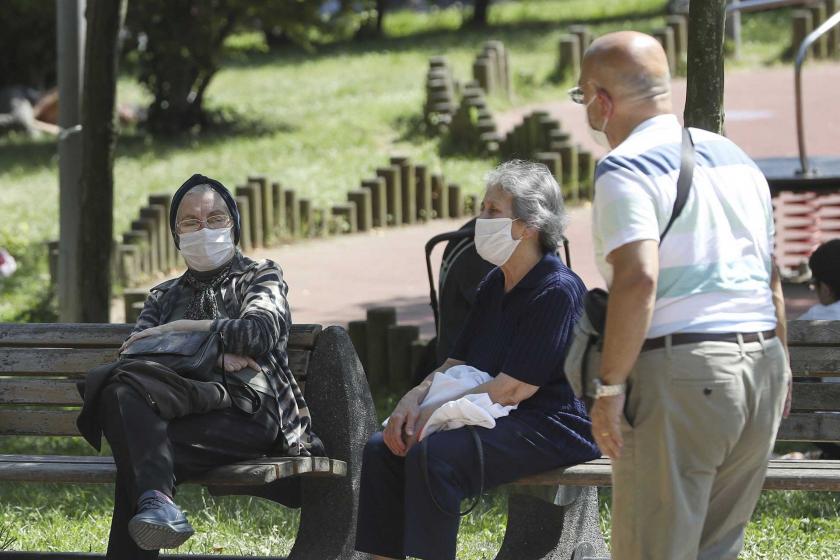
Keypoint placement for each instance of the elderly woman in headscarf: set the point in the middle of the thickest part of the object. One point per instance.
(245, 301)
(517, 332)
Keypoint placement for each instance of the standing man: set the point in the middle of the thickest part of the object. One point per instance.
(694, 369)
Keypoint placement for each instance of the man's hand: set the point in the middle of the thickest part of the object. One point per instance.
(401, 423)
(788, 398)
(235, 362)
(606, 425)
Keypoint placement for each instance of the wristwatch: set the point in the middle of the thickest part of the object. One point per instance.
(602, 390)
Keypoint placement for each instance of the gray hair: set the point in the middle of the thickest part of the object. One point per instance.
(537, 199)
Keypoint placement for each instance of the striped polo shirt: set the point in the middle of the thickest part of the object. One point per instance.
(715, 262)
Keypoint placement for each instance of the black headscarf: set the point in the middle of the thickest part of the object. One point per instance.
(194, 181)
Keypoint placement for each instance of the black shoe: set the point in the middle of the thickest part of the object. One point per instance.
(159, 523)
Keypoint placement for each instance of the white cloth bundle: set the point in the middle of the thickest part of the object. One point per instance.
(469, 410)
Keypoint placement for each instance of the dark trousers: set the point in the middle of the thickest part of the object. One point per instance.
(156, 454)
(397, 516)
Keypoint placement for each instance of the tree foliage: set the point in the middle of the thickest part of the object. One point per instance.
(180, 46)
(28, 43)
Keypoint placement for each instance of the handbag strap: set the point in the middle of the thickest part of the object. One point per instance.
(424, 466)
(687, 157)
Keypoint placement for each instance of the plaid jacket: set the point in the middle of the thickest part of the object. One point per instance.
(255, 294)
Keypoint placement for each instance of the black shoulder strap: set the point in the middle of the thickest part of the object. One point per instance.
(684, 179)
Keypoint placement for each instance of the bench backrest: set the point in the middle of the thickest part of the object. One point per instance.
(41, 363)
(814, 353)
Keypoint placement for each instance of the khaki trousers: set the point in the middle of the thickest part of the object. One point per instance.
(701, 420)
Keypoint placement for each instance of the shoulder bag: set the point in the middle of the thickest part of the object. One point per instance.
(584, 355)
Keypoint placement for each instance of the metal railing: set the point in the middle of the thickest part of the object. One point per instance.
(801, 54)
(760, 5)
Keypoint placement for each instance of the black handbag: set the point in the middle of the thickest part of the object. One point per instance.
(588, 335)
(194, 355)
(191, 354)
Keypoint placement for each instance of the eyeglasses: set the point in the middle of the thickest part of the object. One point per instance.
(576, 95)
(192, 225)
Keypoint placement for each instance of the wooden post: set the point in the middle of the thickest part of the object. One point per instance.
(128, 260)
(364, 208)
(147, 225)
(52, 252)
(482, 74)
(140, 239)
(171, 251)
(820, 46)
(408, 188)
(553, 161)
(568, 61)
(306, 217)
(440, 198)
(358, 336)
(665, 36)
(347, 214)
(424, 193)
(833, 37)
(156, 214)
(569, 161)
(378, 319)
(130, 297)
(679, 27)
(456, 201)
(586, 174)
(279, 200)
(254, 213)
(704, 89)
(378, 199)
(583, 35)
(260, 182)
(418, 351)
(292, 213)
(393, 193)
(399, 339)
(244, 223)
(473, 206)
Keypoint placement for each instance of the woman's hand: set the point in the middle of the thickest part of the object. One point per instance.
(422, 419)
(180, 325)
(235, 362)
(401, 424)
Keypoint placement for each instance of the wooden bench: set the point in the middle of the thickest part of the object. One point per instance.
(39, 367)
(815, 417)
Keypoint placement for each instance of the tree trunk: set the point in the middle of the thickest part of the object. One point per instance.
(480, 9)
(104, 19)
(704, 90)
(380, 15)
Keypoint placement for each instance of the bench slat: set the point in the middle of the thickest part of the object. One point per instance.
(76, 362)
(53, 361)
(104, 335)
(800, 426)
(816, 396)
(814, 360)
(101, 470)
(29, 422)
(781, 475)
(60, 392)
(810, 333)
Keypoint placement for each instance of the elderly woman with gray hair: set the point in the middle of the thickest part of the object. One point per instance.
(517, 333)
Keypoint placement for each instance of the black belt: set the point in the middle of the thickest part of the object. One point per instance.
(689, 338)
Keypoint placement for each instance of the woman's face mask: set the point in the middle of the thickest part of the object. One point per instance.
(205, 234)
(207, 249)
(494, 239)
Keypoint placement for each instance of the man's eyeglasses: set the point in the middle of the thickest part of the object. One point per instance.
(576, 95)
(191, 225)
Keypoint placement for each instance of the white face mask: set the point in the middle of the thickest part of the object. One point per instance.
(599, 136)
(207, 249)
(494, 240)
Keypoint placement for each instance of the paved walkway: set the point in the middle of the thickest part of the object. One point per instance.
(333, 281)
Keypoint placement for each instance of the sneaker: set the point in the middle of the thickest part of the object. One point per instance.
(159, 523)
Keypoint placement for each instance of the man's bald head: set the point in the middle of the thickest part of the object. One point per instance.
(631, 66)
